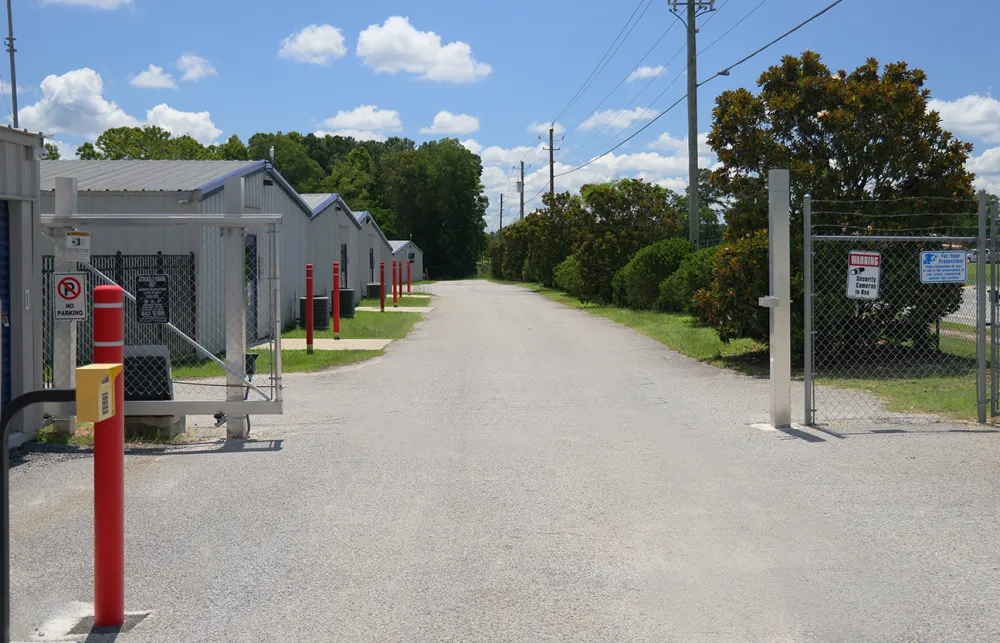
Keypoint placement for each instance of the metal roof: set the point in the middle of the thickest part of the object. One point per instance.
(362, 216)
(145, 176)
(317, 201)
(398, 244)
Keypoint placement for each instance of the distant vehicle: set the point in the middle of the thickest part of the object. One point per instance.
(973, 256)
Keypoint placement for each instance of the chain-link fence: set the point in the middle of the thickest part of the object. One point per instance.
(892, 311)
(179, 304)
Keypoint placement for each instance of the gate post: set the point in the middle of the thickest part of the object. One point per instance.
(981, 309)
(993, 321)
(807, 301)
(779, 301)
(64, 333)
(234, 263)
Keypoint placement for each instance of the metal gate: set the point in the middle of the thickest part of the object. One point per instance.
(889, 318)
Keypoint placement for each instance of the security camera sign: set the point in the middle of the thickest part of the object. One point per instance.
(863, 269)
(68, 301)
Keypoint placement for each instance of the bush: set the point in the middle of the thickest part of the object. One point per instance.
(528, 272)
(567, 277)
(494, 254)
(637, 285)
(695, 273)
(729, 304)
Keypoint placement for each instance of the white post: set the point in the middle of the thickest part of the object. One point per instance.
(235, 306)
(64, 332)
(779, 301)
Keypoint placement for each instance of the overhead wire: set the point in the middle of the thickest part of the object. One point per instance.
(724, 72)
(738, 23)
(579, 92)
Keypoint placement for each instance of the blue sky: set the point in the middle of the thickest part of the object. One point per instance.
(392, 68)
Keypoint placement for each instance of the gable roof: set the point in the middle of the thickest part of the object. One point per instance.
(365, 216)
(207, 177)
(319, 201)
(398, 245)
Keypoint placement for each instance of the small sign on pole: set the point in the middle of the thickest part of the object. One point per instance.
(69, 302)
(152, 299)
(943, 267)
(863, 268)
(78, 246)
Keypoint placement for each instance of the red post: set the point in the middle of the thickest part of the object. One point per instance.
(109, 467)
(408, 276)
(336, 300)
(399, 266)
(394, 281)
(309, 308)
(381, 279)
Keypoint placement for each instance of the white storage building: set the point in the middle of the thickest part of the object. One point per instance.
(408, 251)
(191, 187)
(334, 236)
(375, 250)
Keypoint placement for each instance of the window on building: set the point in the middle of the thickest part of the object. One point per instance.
(343, 266)
(371, 265)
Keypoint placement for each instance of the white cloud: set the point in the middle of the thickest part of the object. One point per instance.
(73, 104)
(543, 128)
(197, 125)
(472, 145)
(195, 67)
(616, 118)
(92, 4)
(366, 117)
(315, 44)
(448, 123)
(645, 72)
(971, 115)
(672, 143)
(66, 151)
(397, 46)
(153, 78)
(986, 163)
(356, 134)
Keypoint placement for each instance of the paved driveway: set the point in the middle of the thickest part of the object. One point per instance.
(517, 470)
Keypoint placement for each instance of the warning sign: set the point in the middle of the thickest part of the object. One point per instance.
(863, 270)
(152, 299)
(69, 302)
(940, 267)
(78, 246)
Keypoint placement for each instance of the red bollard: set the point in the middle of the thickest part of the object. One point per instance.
(427, 274)
(381, 279)
(336, 300)
(394, 281)
(400, 281)
(109, 467)
(309, 308)
(408, 277)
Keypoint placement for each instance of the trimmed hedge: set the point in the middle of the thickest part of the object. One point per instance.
(695, 272)
(567, 276)
(637, 285)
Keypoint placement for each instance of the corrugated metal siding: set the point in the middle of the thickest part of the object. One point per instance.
(5, 369)
(19, 173)
(136, 176)
(324, 249)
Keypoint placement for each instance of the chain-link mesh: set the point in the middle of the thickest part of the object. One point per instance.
(185, 358)
(881, 358)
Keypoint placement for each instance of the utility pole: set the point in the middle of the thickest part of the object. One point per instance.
(520, 188)
(501, 216)
(552, 164)
(694, 9)
(13, 72)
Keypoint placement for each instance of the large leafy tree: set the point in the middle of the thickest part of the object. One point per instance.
(866, 136)
(438, 198)
(291, 158)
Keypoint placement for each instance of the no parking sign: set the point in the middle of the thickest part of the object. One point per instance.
(68, 301)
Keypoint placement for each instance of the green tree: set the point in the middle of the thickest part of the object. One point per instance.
(438, 199)
(291, 158)
(865, 136)
(87, 152)
(53, 152)
(614, 221)
(232, 150)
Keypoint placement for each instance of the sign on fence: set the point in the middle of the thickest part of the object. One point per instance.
(69, 302)
(152, 299)
(78, 246)
(943, 267)
(863, 268)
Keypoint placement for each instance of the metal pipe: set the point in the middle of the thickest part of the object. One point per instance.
(807, 301)
(981, 310)
(860, 238)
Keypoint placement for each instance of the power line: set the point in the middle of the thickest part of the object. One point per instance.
(623, 80)
(727, 32)
(580, 91)
(724, 72)
(713, 14)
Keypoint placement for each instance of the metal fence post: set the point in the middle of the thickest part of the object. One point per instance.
(234, 267)
(807, 301)
(981, 309)
(994, 352)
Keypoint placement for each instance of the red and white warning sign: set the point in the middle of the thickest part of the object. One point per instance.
(863, 268)
(69, 303)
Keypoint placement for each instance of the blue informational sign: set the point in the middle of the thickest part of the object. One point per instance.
(943, 267)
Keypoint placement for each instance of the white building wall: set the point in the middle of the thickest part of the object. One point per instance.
(417, 269)
(328, 229)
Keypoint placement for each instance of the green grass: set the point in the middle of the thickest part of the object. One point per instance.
(83, 437)
(678, 332)
(403, 301)
(950, 396)
(974, 272)
(292, 361)
(368, 325)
